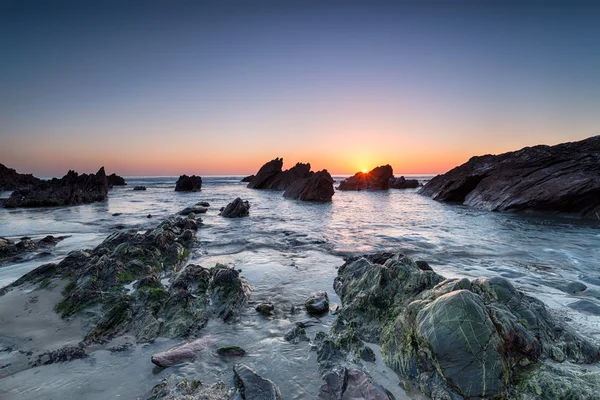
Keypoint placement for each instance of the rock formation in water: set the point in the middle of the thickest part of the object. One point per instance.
(247, 178)
(11, 180)
(236, 209)
(11, 251)
(71, 189)
(403, 183)
(252, 386)
(115, 180)
(188, 184)
(376, 179)
(318, 186)
(453, 338)
(564, 178)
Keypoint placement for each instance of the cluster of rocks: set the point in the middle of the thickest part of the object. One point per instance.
(11, 180)
(298, 182)
(115, 180)
(188, 184)
(451, 338)
(11, 251)
(564, 178)
(379, 178)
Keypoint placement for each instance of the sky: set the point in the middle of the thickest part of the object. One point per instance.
(173, 87)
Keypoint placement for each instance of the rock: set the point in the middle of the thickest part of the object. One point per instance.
(564, 179)
(203, 204)
(115, 180)
(248, 178)
(13, 251)
(64, 354)
(270, 176)
(351, 384)
(12, 180)
(72, 189)
(188, 184)
(231, 351)
(403, 183)
(252, 386)
(149, 216)
(586, 306)
(316, 187)
(265, 308)
(180, 353)
(376, 179)
(139, 188)
(423, 265)
(228, 292)
(195, 210)
(236, 209)
(172, 389)
(317, 303)
(571, 287)
(266, 173)
(296, 335)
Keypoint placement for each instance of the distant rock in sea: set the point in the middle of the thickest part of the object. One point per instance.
(247, 178)
(376, 179)
(564, 178)
(139, 188)
(318, 186)
(12, 180)
(188, 184)
(403, 183)
(115, 180)
(71, 189)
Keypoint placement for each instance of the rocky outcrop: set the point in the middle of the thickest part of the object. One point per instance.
(72, 189)
(115, 180)
(236, 209)
(455, 338)
(11, 180)
(247, 178)
(376, 179)
(172, 389)
(188, 184)
(403, 183)
(270, 176)
(318, 186)
(266, 174)
(564, 178)
(252, 386)
(11, 251)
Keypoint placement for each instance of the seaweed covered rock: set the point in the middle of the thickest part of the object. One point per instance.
(236, 209)
(317, 186)
(188, 184)
(454, 338)
(376, 179)
(71, 189)
(228, 290)
(252, 386)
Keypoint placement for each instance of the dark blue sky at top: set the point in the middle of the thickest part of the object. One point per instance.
(68, 68)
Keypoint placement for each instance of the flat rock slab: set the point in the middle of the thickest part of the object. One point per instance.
(183, 352)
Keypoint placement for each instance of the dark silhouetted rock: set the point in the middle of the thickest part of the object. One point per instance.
(376, 179)
(236, 209)
(115, 180)
(231, 351)
(564, 178)
(317, 303)
(252, 386)
(403, 183)
(71, 189)
(248, 178)
(139, 188)
(316, 187)
(284, 179)
(266, 173)
(12, 180)
(11, 251)
(203, 204)
(188, 183)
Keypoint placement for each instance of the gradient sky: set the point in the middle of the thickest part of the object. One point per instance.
(165, 88)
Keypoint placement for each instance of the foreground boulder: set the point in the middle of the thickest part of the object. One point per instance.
(376, 179)
(182, 352)
(115, 180)
(11, 180)
(252, 386)
(403, 183)
(455, 338)
(236, 209)
(71, 189)
(564, 178)
(318, 186)
(188, 184)
(317, 303)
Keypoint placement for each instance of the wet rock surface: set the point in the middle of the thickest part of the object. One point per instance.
(351, 384)
(71, 189)
(317, 186)
(172, 389)
(188, 184)
(452, 338)
(376, 179)
(318, 303)
(252, 386)
(13, 251)
(564, 178)
(236, 209)
(64, 354)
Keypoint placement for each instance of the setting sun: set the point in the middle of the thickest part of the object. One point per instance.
(364, 171)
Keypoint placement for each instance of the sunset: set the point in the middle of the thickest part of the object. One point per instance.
(299, 199)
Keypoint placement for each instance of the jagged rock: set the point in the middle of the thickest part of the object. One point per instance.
(317, 303)
(252, 386)
(188, 183)
(172, 389)
(564, 178)
(115, 180)
(180, 353)
(228, 292)
(139, 188)
(12, 180)
(231, 351)
(403, 183)
(248, 178)
(64, 354)
(236, 209)
(316, 187)
(376, 179)
(72, 189)
(266, 173)
(351, 384)
(296, 335)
